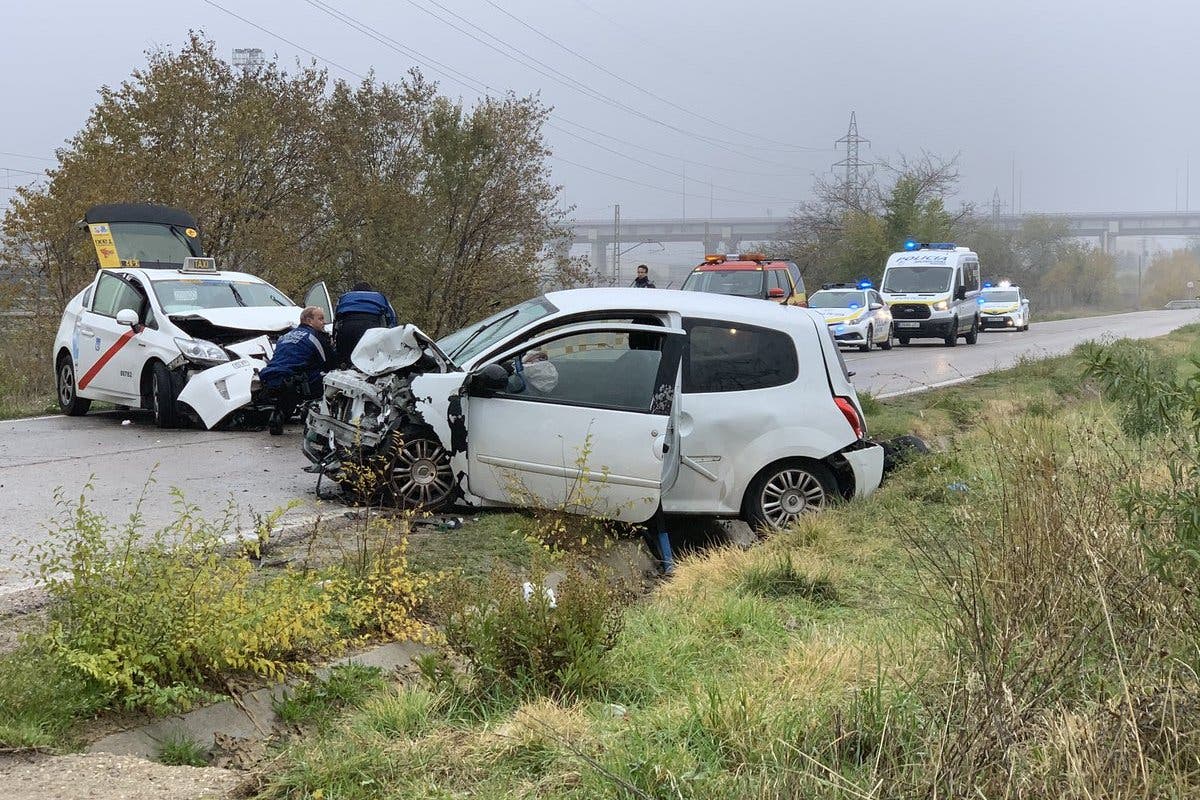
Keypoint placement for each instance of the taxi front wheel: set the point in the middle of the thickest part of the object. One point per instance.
(69, 400)
(162, 397)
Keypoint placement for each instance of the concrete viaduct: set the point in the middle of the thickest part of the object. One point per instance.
(726, 235)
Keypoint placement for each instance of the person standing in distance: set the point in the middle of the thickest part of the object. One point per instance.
(642, 281)
(359, 310)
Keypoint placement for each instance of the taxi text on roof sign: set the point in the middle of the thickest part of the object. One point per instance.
(106, 248)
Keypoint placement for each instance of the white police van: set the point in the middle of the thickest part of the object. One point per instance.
(932, 291)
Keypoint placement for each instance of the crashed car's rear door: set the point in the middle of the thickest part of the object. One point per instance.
(583, 425)
(318, 295)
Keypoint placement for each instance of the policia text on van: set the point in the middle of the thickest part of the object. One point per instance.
(933, 292)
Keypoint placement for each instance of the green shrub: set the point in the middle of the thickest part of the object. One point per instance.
(152, 617)
(516, 647)
(1143, 384)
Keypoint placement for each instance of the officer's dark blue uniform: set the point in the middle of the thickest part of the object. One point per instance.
(359, 310)
(294, 373)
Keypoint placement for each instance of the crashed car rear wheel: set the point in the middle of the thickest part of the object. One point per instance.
(782, 492)
(419, 473)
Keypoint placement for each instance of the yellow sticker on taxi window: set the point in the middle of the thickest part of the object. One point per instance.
(106, 248)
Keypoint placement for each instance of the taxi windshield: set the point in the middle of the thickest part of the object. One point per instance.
(197, 294)
(833, 299)
(1001, 296)
(923, 280)
(740, 282)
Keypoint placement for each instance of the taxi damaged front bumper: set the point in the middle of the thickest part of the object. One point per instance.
(217, 392)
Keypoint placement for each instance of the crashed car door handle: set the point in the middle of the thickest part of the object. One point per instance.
(87, 332)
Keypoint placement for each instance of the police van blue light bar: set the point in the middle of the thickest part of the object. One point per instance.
(911, 244)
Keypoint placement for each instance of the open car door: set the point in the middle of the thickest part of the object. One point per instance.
(583, 422)
(318, 295)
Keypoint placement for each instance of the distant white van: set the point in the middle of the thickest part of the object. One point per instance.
(933, 292)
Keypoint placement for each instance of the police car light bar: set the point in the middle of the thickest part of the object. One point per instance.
(196, 264)
(865, 284)
(911, 244)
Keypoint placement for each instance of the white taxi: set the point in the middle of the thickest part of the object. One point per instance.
(855, 313)
(1003, 306)
(181, 343)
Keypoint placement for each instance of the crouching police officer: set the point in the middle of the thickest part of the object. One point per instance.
(359, 310)
(293, 375)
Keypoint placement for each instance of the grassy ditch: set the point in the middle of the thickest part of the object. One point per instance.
(1011, 617)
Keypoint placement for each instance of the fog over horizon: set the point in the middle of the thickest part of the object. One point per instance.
(670, 107)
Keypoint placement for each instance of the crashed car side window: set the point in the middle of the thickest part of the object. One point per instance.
(605, 369)
(730, 357)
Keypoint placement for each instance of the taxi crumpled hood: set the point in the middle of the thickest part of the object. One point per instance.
(257, 318)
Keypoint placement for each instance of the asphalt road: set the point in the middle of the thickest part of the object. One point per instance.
(122, 454)
(928, 363)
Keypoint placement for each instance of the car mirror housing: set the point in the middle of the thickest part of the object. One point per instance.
(127, 317)
(876, 306)
(960, 293)
(489, 379)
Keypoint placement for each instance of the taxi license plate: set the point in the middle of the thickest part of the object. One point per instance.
(908, 324)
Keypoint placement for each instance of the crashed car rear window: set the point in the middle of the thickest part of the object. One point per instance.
(195, 294)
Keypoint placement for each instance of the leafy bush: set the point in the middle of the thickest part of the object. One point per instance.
(40, 698)
(516, 646)
(152, 616)
(1142, 382)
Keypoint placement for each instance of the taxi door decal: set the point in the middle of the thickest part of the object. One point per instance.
(104, 359)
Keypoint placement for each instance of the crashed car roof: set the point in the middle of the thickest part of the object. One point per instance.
(750, 310)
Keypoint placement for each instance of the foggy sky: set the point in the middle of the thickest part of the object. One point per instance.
(1095, 102)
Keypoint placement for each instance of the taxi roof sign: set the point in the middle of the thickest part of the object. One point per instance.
(196, 264)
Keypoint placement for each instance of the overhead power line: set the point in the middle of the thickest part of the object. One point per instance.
(475, 85)
(647, 92)
(514, 54)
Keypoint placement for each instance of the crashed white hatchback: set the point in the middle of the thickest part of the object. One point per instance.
(185, 341)
(607, 402)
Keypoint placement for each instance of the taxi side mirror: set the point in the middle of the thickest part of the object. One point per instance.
(775, 293)
(128, 317)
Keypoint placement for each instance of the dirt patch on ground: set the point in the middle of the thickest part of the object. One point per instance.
(100, 776)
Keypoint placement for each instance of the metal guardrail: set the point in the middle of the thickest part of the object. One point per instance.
(1178, 304)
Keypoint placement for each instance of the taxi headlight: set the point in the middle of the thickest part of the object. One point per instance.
(201, 352)
(941, 305)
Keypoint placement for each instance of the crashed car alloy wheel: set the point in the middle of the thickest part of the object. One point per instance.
(779, 495)
(420, 474)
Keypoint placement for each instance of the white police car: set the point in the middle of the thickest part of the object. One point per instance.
(1003, 306)
(855, 313)
(187, 341)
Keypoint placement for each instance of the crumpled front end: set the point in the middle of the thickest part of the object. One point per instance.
(213, 393)
(361, 409)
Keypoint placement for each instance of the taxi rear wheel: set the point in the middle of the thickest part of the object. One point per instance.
(162, 397)
(69, 400)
